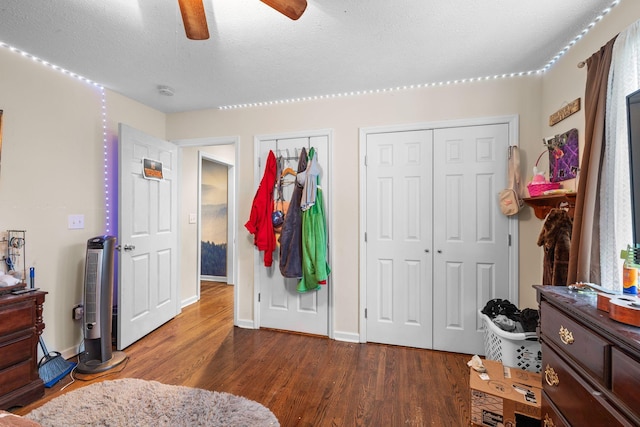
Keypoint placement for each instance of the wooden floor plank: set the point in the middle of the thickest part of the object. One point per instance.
(303, 380)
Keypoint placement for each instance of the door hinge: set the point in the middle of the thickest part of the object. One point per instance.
(365, 313)
(259, 162)
(365, 160)
(365, 237)
(509, 239)
(258, 296)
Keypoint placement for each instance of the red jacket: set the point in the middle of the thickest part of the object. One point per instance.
(259, 223)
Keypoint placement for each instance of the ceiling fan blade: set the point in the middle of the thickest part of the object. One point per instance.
(194, 18)
(290, 8)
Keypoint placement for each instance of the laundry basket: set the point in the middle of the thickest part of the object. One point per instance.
(518, 350)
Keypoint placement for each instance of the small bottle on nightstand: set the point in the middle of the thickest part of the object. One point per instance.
(629, 273)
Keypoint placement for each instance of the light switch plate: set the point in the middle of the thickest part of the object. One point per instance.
(76, 222)
(192, 218)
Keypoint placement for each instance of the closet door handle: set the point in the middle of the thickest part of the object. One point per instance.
(426, 250)
(439, 251)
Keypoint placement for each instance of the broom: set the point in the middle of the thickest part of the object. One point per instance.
(53, 367)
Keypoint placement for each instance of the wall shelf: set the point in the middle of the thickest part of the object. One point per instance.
(543, 204)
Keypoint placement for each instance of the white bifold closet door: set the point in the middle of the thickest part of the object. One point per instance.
(399, 238)
(281, 306)
(437, 246)
(470, 234)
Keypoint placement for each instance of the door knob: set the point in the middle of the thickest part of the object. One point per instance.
(426, 250)
(439, 251)
(128, 248)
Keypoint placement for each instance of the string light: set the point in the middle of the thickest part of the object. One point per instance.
(435, 84)
(336, 95)
(109, 169)
(581, 35)
(376, 91)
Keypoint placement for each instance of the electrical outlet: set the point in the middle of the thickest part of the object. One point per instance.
(76, 222)
(78, 312)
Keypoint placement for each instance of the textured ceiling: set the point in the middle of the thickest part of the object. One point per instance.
(255, 54)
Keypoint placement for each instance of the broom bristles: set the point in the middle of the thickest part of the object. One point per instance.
(53, 368)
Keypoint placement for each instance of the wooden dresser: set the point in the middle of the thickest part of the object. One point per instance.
(590, 363)
(20, 327)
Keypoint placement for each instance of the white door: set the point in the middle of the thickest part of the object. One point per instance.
(471, 235)
(398, 216)
(147, 217)
(281, 305)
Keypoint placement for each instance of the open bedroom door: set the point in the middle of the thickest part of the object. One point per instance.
(147, 229)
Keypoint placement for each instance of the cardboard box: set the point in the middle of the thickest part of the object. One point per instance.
(509, 397)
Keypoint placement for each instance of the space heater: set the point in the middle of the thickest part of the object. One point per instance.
(98, 307)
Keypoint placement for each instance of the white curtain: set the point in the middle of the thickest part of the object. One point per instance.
(615, 192)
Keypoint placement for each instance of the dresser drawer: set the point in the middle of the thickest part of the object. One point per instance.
(16, 351)
(581, 344)
(15, 377)
(16, 317)
(581, 404)
(625, 379)
(551, 417)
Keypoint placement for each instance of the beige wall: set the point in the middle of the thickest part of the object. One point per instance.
(346, 116)
(52, 159)
(52, 167)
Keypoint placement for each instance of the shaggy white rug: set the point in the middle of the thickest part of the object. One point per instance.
(134, 402)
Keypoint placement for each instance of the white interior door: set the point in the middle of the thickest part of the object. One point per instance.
(399, 217)
(281, 306)
(471, 235)
(148, 218)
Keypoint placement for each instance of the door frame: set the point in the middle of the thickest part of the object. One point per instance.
(233, 274)
(202, 157)
(513, 123)
(257, 140)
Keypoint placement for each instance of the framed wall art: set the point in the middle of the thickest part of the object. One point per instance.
(563, 156)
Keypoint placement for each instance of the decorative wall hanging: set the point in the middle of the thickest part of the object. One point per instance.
(563, 156)
(152, 169)
(566, 111)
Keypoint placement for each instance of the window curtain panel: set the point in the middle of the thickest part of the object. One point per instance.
(615, 188)
(584, 262)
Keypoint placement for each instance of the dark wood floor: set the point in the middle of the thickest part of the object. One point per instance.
(303, 380)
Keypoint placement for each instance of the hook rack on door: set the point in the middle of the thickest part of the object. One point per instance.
(285, 153)
(288, 156)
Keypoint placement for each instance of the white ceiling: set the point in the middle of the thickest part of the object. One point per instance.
(255, 54)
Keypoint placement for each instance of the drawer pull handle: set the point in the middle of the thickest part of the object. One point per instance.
(548, 422)
(550, 376)
(566, 336)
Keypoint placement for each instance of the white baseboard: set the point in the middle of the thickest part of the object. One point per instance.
(246, 324)
(189, 301)
(71, 354)
(346, 337)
